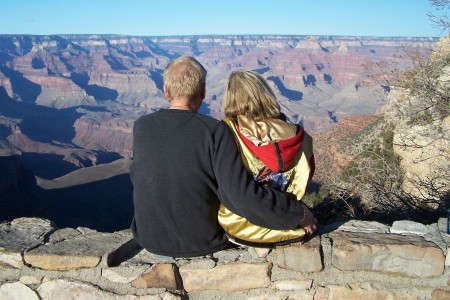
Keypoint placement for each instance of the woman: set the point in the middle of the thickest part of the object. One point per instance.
(278, 154)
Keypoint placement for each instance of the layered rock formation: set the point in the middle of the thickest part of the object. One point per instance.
(422, 126)
(77, 96)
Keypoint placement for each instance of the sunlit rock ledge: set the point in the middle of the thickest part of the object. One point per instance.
(349, 260)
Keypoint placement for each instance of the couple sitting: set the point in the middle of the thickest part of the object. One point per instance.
(199, 182)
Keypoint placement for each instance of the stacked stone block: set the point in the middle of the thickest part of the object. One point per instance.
(348, 260)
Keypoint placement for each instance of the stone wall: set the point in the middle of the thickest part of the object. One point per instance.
(351, 260)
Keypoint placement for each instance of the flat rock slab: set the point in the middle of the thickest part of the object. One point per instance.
(63, 234)
(232, 277)
(362, 291)
(282, 295)
(293, 285)
(306, 257)
(160, 276)
(440, 294)
(409, 227)
(356, 226)
(65, 289)
(83, 251)
(407, 255)
(17, 290)
(19, 235)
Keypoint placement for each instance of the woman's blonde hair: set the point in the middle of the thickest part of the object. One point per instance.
(184, 77)
(247, 93)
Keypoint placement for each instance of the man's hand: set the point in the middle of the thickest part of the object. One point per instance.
(308, 221)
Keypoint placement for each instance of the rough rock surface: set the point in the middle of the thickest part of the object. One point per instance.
(423, 146)
(347, 260)
(407, 255)
(19, 235)
(84, 251)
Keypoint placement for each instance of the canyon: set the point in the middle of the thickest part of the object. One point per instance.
(68, 102)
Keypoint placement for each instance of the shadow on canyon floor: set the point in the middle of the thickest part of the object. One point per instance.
(47, 166)
(50, 166)
(288, 93)
(105, 205)
(100, 93)
(27, 90)
(40, 123)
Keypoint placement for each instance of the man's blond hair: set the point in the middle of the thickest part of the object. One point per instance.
(184, 77)
(249, 94)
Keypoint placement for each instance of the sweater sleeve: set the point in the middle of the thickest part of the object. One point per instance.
(238, 191)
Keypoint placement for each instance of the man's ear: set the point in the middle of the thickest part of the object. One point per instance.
(166, 94)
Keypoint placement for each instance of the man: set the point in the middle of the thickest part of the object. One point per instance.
(184, 164)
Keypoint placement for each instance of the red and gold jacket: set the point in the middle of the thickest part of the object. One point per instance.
(279, 155)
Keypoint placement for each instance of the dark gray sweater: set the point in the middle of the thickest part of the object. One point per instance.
(185, 163)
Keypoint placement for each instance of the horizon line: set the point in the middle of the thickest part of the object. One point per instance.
(218, 35)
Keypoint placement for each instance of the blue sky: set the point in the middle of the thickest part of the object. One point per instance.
(198, 17)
